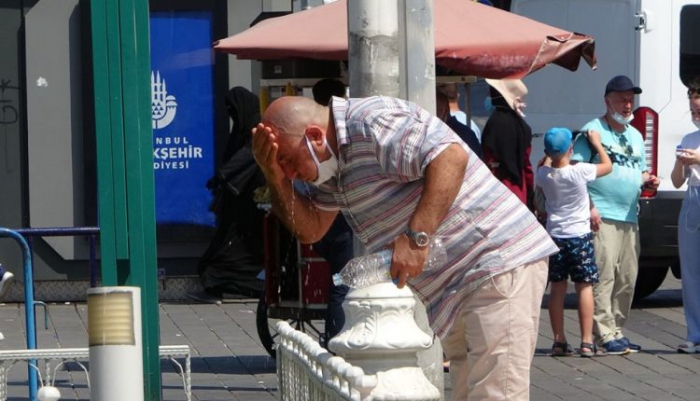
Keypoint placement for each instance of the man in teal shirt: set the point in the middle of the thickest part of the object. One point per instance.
(615, 198)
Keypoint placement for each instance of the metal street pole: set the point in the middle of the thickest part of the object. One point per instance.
(124, 138)
(373, 49)
(391, 52)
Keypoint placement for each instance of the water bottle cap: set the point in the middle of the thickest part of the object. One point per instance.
(337, 280)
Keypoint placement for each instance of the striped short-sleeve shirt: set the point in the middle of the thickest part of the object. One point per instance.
(385, 145)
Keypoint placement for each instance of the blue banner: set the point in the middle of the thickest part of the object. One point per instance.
(183, 116)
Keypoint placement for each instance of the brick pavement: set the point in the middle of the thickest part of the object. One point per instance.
(229, 363)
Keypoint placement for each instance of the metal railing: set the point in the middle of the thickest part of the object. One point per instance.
(90, 232)
(28, 266)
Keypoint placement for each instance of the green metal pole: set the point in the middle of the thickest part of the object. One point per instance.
(121, 62)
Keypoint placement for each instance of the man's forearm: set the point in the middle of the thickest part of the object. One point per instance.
(443, 180)
(298, 214)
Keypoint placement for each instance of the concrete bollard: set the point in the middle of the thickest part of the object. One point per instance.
(116, 355)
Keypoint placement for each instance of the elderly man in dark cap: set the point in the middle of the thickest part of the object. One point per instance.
(614, 217)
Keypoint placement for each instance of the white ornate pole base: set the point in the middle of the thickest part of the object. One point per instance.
(380, 335)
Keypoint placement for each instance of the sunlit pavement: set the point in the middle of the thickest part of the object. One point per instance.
(229, 362)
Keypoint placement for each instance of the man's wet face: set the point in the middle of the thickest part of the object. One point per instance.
(294, 158)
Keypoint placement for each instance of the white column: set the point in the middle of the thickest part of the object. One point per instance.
(381, 337)
(116, 348)
(417, 52)
(373, 53)
(417, 84)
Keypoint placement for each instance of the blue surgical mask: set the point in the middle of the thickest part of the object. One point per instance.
(488, 104)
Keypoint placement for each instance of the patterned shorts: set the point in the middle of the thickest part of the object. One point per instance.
(576, 258)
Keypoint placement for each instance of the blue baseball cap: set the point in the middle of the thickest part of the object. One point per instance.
(621, 83)
(557, 141)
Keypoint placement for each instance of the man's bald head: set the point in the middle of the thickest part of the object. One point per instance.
(291, 115)
(300, 128)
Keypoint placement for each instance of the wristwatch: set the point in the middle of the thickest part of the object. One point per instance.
(421, 238)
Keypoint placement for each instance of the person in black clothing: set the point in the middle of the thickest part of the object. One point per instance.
(442, 107)
(234, 257)
(507, 139)
(337, 245)
(326, 88)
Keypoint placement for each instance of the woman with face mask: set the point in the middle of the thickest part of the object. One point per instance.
(687, 170)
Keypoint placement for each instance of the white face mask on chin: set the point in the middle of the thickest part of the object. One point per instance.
(697, 123)
(620, 119)
(328, 168)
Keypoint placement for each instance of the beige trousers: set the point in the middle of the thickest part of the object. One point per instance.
(617, 256)
(492, 342)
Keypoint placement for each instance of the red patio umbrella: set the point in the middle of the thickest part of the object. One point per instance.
(470, 39)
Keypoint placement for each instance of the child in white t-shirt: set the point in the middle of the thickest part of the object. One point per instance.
(568, 223)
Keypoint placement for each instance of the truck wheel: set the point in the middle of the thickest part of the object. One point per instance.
(649, 280)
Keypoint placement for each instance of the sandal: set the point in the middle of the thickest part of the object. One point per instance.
(688, 347)
(562, 349)
(592, 350)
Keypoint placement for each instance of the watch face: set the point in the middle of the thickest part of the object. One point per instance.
(422, 239)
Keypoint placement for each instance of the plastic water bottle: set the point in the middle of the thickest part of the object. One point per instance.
(374, 268)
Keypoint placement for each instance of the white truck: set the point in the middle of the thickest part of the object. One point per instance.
(657, 44)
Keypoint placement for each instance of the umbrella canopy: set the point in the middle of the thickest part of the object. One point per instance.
(470, 39)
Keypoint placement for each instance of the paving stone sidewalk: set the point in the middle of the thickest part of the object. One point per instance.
(229, 362)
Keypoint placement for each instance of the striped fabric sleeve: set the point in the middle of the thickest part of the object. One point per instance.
(324, 200)
(320, 198)
(407, 141)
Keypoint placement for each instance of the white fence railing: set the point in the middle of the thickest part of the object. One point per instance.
(378, 349)
(9, 358)
(307, 371)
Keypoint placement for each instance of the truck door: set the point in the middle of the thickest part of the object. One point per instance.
(561, 98)
(655, 24)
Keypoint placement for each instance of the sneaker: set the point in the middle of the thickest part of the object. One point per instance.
(688, 348)
(615, 347)
(6, 276)
(204, 297)
(634, 348)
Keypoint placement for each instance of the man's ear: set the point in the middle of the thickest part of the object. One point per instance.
(315, 134)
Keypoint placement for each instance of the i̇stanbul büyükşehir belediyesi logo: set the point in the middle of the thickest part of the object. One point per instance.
(163, 106)
(169, 153)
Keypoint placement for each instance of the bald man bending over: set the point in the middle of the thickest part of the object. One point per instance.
(401, 176)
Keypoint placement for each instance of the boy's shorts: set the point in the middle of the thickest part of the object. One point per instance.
(576, 258)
